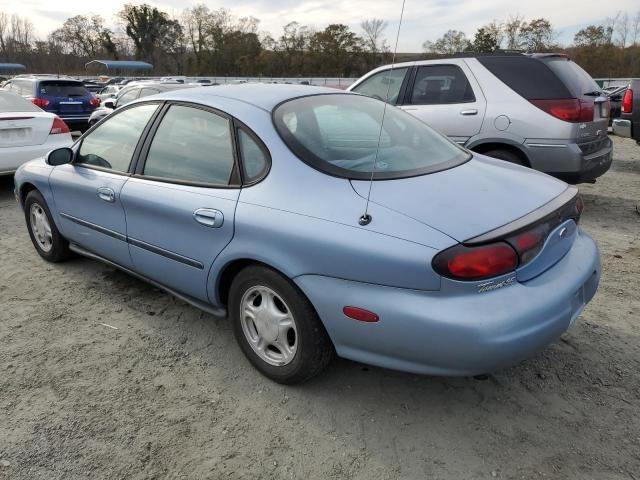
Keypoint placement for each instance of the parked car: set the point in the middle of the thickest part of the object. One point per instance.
(542, 111)
(615, 99)
(66, 98)
(27, 132)
(628, 125)
(130, 93)
(108, 92)
(251, 201)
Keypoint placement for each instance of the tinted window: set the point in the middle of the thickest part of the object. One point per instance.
(383, 85)
(128, 96)
(61, 88)
(12, 102)
(441, 84)
(112, 143)
(528, 77)
(574, 78)
(340, 134)
(253, 157)
(191, 145)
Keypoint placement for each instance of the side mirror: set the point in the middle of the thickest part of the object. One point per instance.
(59, 156)
(109, 104)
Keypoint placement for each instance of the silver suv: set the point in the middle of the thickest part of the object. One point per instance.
(540, 110)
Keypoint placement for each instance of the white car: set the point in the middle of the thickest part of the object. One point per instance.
(27, 132)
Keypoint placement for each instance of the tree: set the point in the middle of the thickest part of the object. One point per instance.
(335, 49)
(591, 36)
(512, 29)
(149, 29)
(537, 35)
(86, 36)
(454, 41)
(197, 22)
(488, 38)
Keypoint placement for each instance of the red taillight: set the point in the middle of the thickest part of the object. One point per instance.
(627, 101)
(570, 110)
(360, 314)
(58, 127)
(94, 102)
(529, 243)
(476, 263)
(39, 102)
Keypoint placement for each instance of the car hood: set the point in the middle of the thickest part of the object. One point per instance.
(468, 200)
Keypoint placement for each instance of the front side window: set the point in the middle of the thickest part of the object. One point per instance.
(383, 85)
(441, 84)
(191, 145)
(112, 143)
(340, 134)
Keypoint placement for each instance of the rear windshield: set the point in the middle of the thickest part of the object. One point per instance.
(61, 88)
(340, 133)
(12, 102)
(572, 75)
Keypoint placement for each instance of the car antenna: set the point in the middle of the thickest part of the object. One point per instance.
(366, 218)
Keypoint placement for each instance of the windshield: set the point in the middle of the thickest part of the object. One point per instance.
(339, 134)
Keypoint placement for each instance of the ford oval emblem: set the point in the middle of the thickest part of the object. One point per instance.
(563, 232)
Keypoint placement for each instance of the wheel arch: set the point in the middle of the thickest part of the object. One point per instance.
(25, 188)
(483, 146)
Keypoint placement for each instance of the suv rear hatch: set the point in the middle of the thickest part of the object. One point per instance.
(558, 86)
(66, 98)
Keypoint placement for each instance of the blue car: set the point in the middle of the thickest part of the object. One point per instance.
(321, 223)
(67, 98)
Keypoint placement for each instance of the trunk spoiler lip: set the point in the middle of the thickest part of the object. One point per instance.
(548, 209)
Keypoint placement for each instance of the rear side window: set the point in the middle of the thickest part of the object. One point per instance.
(11, 102)
(528, 77)
(61, 88)
(112, 143)
(191, 145)
(441, 84)
(254, 158)
(574, 78)
(148, 91)
(383, 85)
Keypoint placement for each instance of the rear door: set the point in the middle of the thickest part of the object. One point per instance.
(180, 204)
(446, 97)
(87, 192)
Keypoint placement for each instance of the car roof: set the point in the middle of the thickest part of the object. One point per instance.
(260, 95)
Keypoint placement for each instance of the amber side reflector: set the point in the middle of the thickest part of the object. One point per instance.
(360, 314)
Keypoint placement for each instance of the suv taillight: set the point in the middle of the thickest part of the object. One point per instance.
(570, 110)
(58, 127)
(94, 102)
(39, 102)
(627, 101)
(476, 263)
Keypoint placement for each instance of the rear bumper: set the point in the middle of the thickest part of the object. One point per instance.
(572, 162)
(622, 127)
(457, 334)
(12, 157)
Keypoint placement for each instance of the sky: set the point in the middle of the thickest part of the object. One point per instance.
(423, 19)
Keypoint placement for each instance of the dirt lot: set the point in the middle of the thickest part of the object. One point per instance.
(167, 393)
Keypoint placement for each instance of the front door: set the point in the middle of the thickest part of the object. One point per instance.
(88, 191)
(180, 205)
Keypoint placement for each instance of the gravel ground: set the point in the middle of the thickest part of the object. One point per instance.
(103, 376)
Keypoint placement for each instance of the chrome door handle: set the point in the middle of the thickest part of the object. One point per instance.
(106, 194)
(467, 113)
(209, 217)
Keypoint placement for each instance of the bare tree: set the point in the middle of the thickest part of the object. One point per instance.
(512, 30)
(622, 28)
(635, 29)
(373, 30)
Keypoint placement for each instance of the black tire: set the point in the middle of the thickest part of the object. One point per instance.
(314, 349)
(507, 156)
(59, 246)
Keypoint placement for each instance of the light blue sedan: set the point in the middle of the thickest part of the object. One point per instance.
(251, 201)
